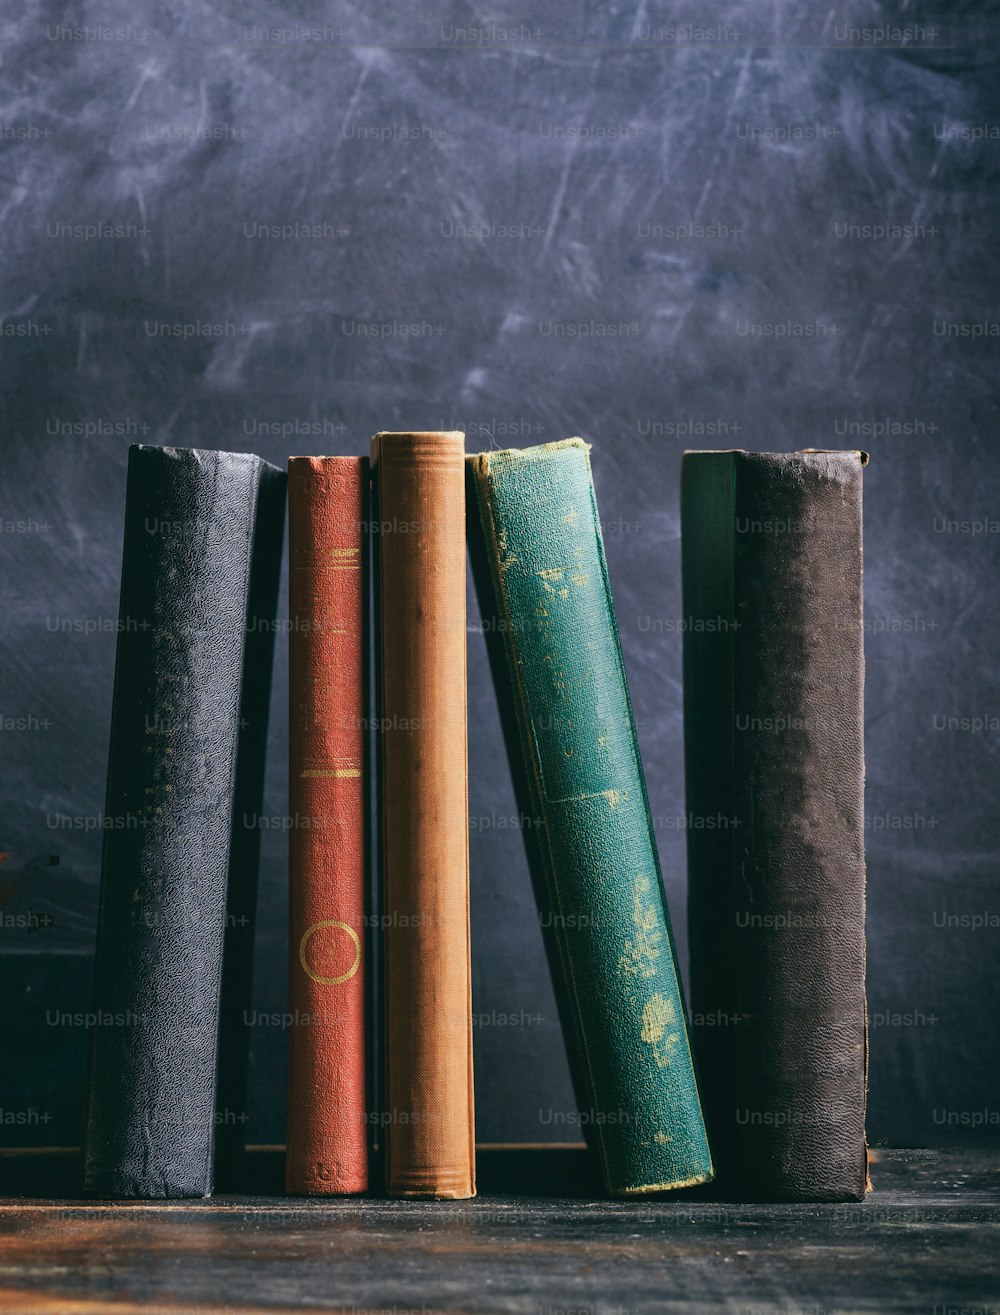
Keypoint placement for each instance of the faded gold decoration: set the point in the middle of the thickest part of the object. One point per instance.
(642, 953)
(658, 1015)
(303, 960)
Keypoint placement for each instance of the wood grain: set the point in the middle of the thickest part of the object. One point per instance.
(928, 1236)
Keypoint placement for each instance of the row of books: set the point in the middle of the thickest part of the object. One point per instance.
(773, 676)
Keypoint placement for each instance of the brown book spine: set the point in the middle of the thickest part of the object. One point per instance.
(774, 731)
(327, 1127)
(419, 489)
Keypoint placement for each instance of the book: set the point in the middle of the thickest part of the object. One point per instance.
(190, 526)
(774, 736)
(545, 596)
(327, 1137)
(419, 553)
(235, 1001)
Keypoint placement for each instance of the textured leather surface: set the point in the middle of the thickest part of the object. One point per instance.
(189, 527)
(236, 999)
(774, 672)
(595, 867)
(420, 518)
(327, 794)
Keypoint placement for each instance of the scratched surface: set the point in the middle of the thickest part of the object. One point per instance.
(925, 1241)
(280, 229)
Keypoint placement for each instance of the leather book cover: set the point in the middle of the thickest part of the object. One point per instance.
(189, 536)
(235, 1003)
(774, 748)
(326, 1150)
(544, 589)
(419, 522)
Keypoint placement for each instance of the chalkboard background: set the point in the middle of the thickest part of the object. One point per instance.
(281, 228)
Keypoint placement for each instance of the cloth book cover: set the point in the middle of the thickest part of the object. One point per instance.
(191, 526)
(327, 793)
(774, 736)
(548, 613)
(419, 519)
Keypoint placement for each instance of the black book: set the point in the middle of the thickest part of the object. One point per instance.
(193, 526)
(774, 739)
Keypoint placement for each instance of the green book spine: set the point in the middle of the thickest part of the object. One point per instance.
(544, 591)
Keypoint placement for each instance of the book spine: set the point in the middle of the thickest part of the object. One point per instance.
(328, 778)
(596, 869)
(773, 693)
(232, 1113)
(420, 602)
(189, 533)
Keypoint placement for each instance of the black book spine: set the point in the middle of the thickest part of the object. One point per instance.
(190, 524)
(232, 1113)
(774, 748)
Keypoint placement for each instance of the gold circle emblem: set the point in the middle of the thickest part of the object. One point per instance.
(304, 961)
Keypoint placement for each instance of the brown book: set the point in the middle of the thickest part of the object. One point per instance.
(774, 731)
(327, 596)
(419, 518)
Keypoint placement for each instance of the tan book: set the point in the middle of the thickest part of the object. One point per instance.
(419, 522)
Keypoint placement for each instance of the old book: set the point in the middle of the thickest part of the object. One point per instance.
(190, 525)
(773, 704)
(327, 792)
(419, 521)
(547, 608)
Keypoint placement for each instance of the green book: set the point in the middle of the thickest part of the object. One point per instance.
(542, 581)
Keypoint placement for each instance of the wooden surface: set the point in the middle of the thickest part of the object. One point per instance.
(928, 1237)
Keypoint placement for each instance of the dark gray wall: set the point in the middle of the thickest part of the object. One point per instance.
(576, 223)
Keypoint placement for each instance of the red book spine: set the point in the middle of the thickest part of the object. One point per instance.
(327, 1129)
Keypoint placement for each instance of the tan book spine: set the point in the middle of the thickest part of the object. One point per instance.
(419, 516)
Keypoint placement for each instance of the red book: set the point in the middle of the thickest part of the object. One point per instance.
(327, 1128)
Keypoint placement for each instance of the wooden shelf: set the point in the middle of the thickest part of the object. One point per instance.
(537, 1240)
